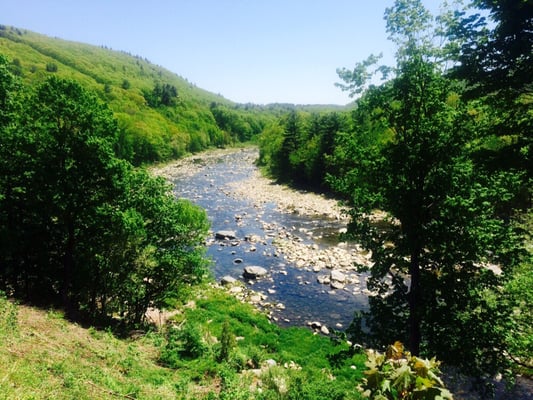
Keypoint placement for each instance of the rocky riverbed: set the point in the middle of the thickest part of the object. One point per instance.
(334, 264)
(304, 260)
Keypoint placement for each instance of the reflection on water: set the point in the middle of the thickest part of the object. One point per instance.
(303, 298)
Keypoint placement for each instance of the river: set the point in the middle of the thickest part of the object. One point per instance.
(291, 291)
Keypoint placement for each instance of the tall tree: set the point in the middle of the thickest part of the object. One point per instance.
(74, 134)
(291, 141)
(497, 58)
(496, 62)
(12, 182)
(441, 224)
(80, 227)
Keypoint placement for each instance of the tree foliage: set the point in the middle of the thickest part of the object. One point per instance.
(80, 227)
(449, 172)
(443, 208)
(296, 149)
(161, 95)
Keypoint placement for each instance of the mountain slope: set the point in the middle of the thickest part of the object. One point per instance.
(153, 130)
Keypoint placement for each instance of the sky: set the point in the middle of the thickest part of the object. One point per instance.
(257, 51)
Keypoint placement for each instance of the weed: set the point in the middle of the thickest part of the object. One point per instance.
(8, 319)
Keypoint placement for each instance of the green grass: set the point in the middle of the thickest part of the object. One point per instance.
(45, 356)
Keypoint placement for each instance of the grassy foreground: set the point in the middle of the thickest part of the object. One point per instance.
(214, 348)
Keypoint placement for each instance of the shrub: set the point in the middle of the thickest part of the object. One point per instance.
(186, 342)
(399, 375)
(8, 318)
(227, 342)
(51, 67)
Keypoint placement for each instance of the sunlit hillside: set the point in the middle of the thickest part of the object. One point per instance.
(161, 114)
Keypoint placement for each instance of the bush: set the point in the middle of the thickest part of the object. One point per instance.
(186, 342)
(398, 375)
(51, 67)
(8, 319)
(227, 342)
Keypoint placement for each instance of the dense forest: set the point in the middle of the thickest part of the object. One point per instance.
(160, 115)
(432, 163)
(443, 146)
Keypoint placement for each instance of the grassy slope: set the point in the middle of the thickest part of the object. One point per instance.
(48, 357)
(44, 356)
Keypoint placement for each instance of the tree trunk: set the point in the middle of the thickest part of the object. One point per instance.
(415, 335)
(68, 267)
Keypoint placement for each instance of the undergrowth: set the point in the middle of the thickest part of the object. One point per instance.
(215, 348)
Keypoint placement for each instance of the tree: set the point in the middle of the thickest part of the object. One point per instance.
(12, 182)
(163, 238)
(497, 65)
(161, 95)
(497, 59)
(292, 139)
(442, 222)
(74, 136)
(82, 228)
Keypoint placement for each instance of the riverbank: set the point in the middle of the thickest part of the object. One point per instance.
(257, 188)
(334, 263)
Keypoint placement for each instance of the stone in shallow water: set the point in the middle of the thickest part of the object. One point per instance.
(254, 272)
(225, 235)
(338, 276)
(337, 285)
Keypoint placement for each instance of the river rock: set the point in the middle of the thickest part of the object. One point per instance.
(323, 279)
(254, 272)
(225, 235)
(336, 285)
(337, 276)
(315, 325)
(253, 238)
(227, 280)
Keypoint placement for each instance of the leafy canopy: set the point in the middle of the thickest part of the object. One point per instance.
(79, 226)
(414, 154)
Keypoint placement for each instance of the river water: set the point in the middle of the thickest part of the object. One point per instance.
(295, 292)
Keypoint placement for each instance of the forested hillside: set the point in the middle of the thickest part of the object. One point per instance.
(442, 147)
(161, 115)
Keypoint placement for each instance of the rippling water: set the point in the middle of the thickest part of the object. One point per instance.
(304, 299)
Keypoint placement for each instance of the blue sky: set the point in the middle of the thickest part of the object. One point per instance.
(258, 51)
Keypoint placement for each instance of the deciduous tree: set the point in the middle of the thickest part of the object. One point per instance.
(442, 222)
(79, 226)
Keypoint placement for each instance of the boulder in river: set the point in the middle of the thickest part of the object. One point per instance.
(225, 235)
(253, 238)
(337, 276)
(337, 285)
(254, 272)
